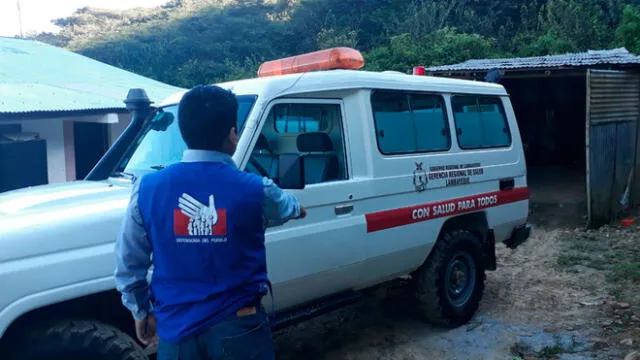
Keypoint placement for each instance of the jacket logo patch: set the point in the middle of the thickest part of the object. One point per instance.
(193, 218)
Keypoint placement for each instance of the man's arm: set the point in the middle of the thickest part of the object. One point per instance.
(279, 206)
(133, 259)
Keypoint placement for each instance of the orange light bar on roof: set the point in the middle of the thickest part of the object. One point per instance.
(329, 59)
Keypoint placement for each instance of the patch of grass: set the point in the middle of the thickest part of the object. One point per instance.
(589, 246)
(572, 259)
(550, 352)
(614, 255)
(627, 320)
(598, 263)
(625, 272)
(611, 256)
(617, 293)
(521, 349)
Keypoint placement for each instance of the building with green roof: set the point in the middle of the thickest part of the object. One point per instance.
(60, 110)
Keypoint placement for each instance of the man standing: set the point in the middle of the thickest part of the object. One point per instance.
(203, 219)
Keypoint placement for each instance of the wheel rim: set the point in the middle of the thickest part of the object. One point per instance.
(460, 279)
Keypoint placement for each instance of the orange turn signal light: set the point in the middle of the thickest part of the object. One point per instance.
(329, 59)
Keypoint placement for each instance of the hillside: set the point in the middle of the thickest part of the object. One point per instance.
(186, 42)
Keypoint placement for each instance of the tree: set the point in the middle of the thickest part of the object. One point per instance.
(628, 33)
(545, 44)
(329, 38)
(186, 42)
(443, 46)
(580, 23)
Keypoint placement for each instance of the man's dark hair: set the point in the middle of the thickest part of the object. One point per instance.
(206, 114)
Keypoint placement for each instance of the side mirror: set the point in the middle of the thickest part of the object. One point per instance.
(162, 121)
(291, 171)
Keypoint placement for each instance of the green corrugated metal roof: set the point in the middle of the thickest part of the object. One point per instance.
(37, 77)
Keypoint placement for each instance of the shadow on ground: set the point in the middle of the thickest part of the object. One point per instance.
(389, 328)
(532, 309)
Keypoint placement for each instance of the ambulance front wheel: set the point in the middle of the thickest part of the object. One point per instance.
(449, 285)
(79, 340)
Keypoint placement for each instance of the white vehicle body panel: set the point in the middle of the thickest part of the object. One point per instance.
(56, 241)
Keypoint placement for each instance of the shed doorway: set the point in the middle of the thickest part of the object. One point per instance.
(551, 114)
(580, 137)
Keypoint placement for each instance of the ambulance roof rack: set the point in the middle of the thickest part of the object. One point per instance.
(329, 59)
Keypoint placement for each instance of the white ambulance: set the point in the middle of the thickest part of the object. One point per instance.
(400, 174)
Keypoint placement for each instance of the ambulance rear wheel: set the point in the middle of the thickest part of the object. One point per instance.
(79, 340)
(450, 284)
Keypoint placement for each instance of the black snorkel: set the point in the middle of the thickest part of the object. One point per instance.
(139, 105)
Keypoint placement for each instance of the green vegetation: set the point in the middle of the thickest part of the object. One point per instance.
(628, 33)
(614, 252)
(550, 352)
(522, 350)
(628, 271)
(186, 42)
(573, 259)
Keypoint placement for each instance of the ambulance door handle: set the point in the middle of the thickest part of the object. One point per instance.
(343, 209)
(507, 184)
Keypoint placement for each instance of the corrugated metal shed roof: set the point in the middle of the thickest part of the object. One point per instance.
(618, 56)
(37, 77)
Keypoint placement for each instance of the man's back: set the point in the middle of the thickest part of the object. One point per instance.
(200, 224)
(204, 222)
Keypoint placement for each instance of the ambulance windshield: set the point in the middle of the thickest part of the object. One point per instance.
(162, 145)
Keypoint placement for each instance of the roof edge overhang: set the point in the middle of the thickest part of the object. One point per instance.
(56, 114)
(537, 71)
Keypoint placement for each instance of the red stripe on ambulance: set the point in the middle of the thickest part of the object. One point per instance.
(388, 219)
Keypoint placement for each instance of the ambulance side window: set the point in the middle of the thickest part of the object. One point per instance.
(480, 122)
(410, 122)
(314, 130)
(300, 118)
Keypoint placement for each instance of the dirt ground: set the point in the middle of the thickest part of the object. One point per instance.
(566, 294)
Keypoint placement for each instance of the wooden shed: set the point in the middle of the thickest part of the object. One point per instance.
(578, 117)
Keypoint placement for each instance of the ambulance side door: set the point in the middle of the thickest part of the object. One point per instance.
(322, 254)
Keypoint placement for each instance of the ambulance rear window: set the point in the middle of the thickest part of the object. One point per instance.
(410, 122)
(481, 122)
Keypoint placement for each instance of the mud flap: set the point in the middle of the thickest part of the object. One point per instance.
(519, 236)
(489, 246)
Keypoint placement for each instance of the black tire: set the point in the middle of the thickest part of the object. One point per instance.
(79, 340)
(438, 302)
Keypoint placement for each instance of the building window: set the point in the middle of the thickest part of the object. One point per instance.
(480, 122)
(410, 122)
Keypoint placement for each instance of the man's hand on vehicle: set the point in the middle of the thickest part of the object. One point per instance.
(146, 330)
(303, 213)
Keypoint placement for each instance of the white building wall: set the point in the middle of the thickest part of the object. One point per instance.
(58, 133)
(69, 149)
(116, 129)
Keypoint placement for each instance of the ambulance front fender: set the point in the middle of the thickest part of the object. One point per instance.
(15, 310)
